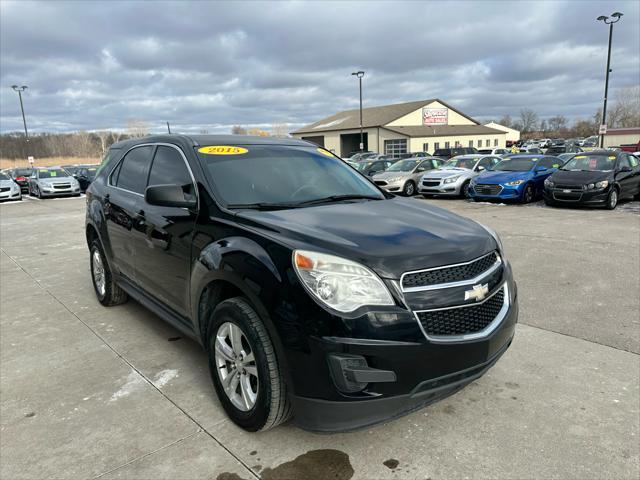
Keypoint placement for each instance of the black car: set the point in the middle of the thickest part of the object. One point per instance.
(448, 153)
(370, 168)
(21, 177)
(314, 293)
(85, 175)
(600, 177)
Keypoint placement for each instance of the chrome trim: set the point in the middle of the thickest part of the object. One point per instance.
(469, 336)
(459, 283)
(488, 185)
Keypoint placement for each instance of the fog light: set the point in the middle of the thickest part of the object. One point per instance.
(352, 374)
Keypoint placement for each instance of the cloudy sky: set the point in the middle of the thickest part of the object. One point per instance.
(209, 65)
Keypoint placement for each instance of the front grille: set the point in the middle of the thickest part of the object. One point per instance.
(430, 183)
(483, 189)
(381, 183)
(577, 188)
(4, 189)
(455, 273)
(462, 320)
(62, 186)
(567, 197)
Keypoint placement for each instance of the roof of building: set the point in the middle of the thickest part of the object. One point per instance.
(445, 130)
(371, 117)
(623, 131)
(500, 127)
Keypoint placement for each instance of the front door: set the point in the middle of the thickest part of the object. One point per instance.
(162, 238)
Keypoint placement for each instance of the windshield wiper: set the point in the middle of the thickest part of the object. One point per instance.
(337, 198)
(262, 206)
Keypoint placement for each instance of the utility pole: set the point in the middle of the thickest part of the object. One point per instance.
(168, 127)
(610, 22)
(360, 74)
(21, 89)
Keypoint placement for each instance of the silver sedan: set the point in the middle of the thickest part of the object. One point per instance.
(52, 181)
(9, 190)
(404, 175)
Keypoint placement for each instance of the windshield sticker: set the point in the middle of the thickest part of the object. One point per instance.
(593, 163)
(580, 156)
(324, 152)
(53, 173)
(222, 150)
(612, 157)
(556, 165)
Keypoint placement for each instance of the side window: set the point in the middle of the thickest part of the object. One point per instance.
(550, 162)
(132, 174)
(426, 165)
(485, 162)
(633, 161)
(624, 161)
(168, 168)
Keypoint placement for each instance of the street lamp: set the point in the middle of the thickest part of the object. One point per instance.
(360, 74)
(615, 17)
(21, 89)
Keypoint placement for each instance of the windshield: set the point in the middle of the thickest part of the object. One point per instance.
(362, 166)
(22, 172)
(283, 176)
(591, 163)
(516, 164)
(91, 172)
(461, 162)
(404, 166)
(4, 177)
(52, 173)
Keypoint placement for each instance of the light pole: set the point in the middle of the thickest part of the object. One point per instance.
(24, 121)
(360, 74)
(610, 22)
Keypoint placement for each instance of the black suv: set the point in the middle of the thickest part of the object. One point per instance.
(314, 293)
(448, 153)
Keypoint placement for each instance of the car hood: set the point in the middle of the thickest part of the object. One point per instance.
(389, 236)
(57, 179)
(6, 183)
(578, 178)
(387, 175)
(449, 172)
(502, 177)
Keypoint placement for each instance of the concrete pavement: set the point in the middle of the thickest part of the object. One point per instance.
(90, 392)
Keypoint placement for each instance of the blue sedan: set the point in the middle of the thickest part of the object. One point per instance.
(519, 178)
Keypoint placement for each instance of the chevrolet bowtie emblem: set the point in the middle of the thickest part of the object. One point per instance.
(478, 293)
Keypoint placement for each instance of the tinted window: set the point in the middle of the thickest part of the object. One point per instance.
(633, 160)
(516, 164)
(134, 169)
(591, 162)
(4, 177)
(168, 168)
(624, 161)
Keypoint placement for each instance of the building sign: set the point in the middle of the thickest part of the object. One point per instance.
(603, 129)
(435, 116)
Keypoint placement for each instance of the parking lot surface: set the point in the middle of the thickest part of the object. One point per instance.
(90, 392)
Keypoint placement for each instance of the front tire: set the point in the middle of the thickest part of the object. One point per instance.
(528, 194)
(244, 367)
(612, 199)
(409, 189)
(107, 291)
(464, 190)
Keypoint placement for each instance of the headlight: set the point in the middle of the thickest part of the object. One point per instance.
(602, 184)
(451, 179)
(495, 236)
(339, 283)
(394, 179)
(549, 183)
(514, 183)
(589, 186)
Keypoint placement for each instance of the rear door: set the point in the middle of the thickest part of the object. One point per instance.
(125, 188)
(163, 238)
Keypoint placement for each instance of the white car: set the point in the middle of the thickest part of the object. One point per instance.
(495, 151)
(9, 190)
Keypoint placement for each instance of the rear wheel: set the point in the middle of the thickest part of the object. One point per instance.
(107, 291)
(528, 194)
(464, 190)
(244, 368)
(409, 189)
(612, 199)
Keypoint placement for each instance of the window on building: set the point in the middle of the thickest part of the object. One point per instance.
(446, 145)
(425, 147)
(487, 143)
(471, 143)
(479, 143)
(458, 145)
(395, 147)
(495, 142)
(436, 146)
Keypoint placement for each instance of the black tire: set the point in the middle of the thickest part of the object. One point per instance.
(464, 189)
(425, 195)
(612, 199)
(529, 194)
(112, 294)
(272, 406)
(409, 189)
(37, 192)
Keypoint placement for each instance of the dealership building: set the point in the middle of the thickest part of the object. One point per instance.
(422, 126)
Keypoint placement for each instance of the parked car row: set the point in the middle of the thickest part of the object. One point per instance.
(44, 182)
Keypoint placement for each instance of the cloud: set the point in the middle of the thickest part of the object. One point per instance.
(209, 65)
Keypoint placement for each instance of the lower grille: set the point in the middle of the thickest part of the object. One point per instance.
(462, 320)
(567, 197)
(62, 187)
(428, 183)
(4, 189)
(381, 183)
(482, 189)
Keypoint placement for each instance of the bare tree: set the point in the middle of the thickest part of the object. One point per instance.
(529, 120)
(137, 128)
(557, 123)
(506, 121)
(238, 130)
(106, 139)
(627, 107)
(280, 130)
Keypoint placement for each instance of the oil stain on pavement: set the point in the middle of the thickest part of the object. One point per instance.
(324, 464)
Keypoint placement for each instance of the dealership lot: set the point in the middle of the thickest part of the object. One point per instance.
(116, 393)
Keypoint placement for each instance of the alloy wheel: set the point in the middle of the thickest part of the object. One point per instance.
(528, 194)
(236, 366)
(613, 199)
(409, 189)
(97, 267)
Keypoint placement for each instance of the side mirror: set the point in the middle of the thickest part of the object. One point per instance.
(541, 169)
(168, 196)
(75, 175)
(480, 168)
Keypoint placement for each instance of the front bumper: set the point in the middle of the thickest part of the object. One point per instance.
(574, 196)
(429, 187)
(10, 195)
(393, 187)
(503, 192)
(56, 192)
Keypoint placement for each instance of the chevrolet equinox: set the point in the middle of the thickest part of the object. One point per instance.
(315, 293)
